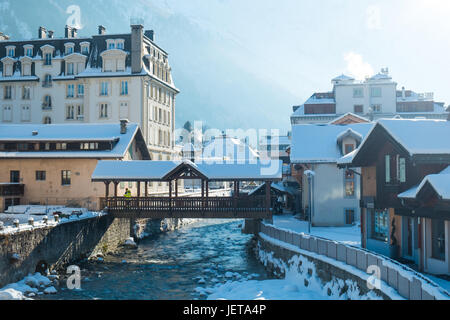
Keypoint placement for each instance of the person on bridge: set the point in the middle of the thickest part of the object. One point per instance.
(127, 196)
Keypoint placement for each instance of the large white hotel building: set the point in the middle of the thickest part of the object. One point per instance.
(99, 79)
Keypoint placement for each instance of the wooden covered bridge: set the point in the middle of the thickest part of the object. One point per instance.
(175, 206)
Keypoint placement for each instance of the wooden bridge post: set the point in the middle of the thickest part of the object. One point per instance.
(115, 193)
(115, 188)
(268, 197)
(207, 193)
(176, 188)
(203, 197)
(170, 197)
(107, 189)
(235, 195)
(146, 188)
(138, 189)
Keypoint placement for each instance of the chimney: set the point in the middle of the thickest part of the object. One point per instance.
(123, 126)
(137, 44)
(67, 32)
(150, 34)
(74, 32)
(42, 33)
(101, 30)
(403, 93)
(3, 36)
(50, 34)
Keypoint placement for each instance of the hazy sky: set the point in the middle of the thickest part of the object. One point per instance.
(301, 45)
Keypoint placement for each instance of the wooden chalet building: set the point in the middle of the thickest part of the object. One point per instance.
(403, 214)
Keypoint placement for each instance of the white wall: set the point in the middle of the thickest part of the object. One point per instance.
(329, 201)
(345, 101)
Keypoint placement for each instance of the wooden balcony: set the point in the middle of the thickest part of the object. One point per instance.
(243, 207)
(12, 190)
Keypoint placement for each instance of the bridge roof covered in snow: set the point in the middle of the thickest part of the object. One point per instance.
(111, 170)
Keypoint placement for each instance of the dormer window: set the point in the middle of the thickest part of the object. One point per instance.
(84, 48)
(11, 51)
(28, 50)
(47, 53)
(348, 147)
(69, 48)
(120, 44)
(110, 44)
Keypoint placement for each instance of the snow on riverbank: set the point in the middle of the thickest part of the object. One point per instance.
(39, 214)
(347, 235)
(29, 287)
(300, 283)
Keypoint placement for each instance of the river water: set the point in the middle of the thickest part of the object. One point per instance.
(170, 265)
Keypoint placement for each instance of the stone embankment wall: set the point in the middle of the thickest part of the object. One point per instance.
(333, 259)
(58, 245)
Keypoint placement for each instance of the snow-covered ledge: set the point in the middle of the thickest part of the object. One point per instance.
(396, 280)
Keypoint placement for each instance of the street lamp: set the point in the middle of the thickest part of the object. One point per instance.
(309, 174)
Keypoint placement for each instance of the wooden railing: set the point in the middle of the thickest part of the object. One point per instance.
(184, 205)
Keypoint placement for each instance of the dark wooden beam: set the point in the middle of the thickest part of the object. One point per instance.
(268, 197)
(107, 188)
(176, 188)
(115, 188)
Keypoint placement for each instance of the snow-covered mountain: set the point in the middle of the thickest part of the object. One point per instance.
(209, 63)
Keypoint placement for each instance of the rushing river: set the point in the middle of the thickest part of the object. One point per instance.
(171, 265)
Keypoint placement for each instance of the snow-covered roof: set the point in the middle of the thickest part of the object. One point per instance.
(349, 133)
(317, 143)
(277, 185)
(348, 158)
(348, 114)
(318, 100)
(380, 76)
(419, 136)
(68, 133)
(342, 77)
(440, 183)
(156, 170)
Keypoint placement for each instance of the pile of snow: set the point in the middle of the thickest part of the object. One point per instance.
(300, 282)
(130, 243)
(65, 215)
(29, 287)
